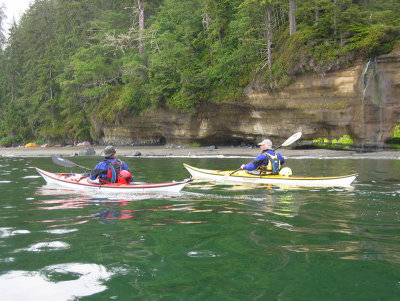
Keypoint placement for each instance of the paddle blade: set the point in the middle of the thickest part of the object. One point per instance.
(65, 162)
(292, 139)
(62, 161)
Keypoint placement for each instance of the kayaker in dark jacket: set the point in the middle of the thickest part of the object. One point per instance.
(111, 170)
(268, 162)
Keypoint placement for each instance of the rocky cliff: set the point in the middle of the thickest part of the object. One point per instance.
(362, 101)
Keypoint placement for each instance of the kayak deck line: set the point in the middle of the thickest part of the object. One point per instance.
(82, 182)
(243, 177)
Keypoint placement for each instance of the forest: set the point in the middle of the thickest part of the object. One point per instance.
(69, 66)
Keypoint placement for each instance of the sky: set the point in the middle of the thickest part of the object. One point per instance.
(13, 9)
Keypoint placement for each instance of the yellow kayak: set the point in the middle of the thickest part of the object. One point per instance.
(242, 176)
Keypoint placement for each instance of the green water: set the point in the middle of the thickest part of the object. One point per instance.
(207, 242)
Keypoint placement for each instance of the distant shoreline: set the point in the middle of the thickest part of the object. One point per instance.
(181, 151)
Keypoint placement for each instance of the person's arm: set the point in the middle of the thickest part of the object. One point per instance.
(256, 163)
(124, 166)
(97, 171)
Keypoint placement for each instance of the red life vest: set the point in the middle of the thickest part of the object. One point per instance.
(112, 172)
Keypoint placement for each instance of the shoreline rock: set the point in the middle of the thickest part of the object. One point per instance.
(162, 151)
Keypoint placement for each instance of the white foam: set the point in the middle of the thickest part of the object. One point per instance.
(28, 285)
(61, 231)
(45, 246)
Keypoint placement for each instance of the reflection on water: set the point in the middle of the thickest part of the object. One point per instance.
(57, 190)
(113, 214)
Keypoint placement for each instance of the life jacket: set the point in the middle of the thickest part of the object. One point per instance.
(112, 172)
(273, 166)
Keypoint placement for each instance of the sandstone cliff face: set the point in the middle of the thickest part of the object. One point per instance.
(362, 101)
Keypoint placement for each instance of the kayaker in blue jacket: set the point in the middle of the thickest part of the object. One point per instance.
(111, 170)
(268, 162)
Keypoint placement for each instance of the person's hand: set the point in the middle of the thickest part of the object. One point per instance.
(242, 166)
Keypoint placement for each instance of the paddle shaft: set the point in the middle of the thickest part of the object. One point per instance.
(234, 171)
(83, 167)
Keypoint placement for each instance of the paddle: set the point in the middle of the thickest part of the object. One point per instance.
(66, 163)
(287, 142)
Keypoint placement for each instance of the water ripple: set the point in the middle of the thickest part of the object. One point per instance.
(56, 282)
(45, 246)
(6, 232)
(61, 231)
(202, 254)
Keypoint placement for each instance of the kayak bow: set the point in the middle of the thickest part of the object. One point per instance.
(243, 177)
(77, 181)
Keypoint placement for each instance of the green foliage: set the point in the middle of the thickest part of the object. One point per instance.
(7, 141)
(394, 141)
(396, 131)
(377, 40)
(321, 142)
(342, 143)
(71, 65)
(123, 99)
(195, 144)
(345, 140)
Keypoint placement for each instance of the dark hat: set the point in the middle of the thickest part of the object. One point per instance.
(109, 150)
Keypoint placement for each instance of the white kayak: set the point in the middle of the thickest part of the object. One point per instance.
(243, 177)
(83, 183)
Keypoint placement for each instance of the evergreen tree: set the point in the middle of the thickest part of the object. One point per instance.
(71, 66)
(2, 19)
